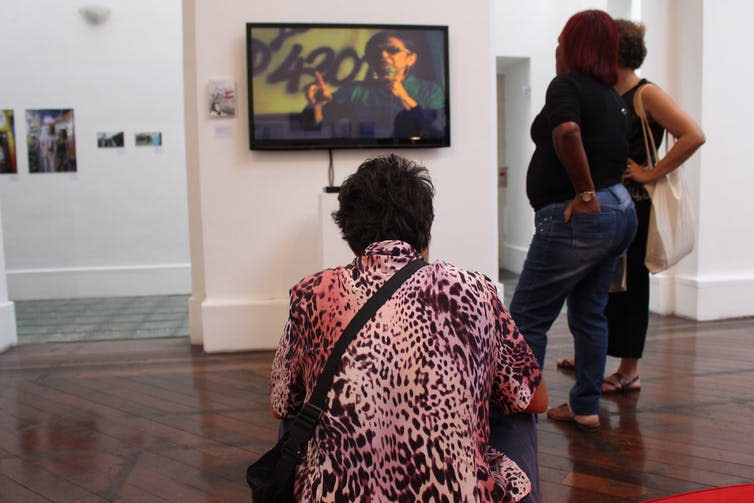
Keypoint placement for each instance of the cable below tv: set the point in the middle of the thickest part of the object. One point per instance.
(331, 188)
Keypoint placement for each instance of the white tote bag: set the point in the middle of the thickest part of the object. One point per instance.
(671, 220)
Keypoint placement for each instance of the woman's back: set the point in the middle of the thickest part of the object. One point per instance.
(407, 415)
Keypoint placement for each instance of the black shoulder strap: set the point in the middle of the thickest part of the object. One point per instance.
(303, 427)
(324, 383)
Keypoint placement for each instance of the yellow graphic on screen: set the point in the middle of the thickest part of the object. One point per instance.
(284, 62)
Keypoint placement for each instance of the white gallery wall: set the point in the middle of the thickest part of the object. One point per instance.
(722, 286)
(119, 225)
(8, 335)
(254, 215)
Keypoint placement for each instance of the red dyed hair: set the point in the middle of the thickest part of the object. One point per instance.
(589, 44)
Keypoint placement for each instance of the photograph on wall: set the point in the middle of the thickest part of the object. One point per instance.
(50, 140)
(7, 143)
(110, 140)
(147, 139)
(222, 98)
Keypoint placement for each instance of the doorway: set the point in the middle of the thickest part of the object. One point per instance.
(514, 149)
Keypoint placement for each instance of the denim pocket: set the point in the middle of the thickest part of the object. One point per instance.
(546, 217)
(592, 225)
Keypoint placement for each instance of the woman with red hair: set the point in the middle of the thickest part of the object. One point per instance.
(584, 221)
(584, 217)
(628, 311)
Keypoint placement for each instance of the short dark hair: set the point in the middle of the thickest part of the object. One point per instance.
(373, 48)
(389, 197)
(414, 42)
(589, 44)
(632, 48)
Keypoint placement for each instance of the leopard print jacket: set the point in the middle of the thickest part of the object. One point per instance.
(407, 417)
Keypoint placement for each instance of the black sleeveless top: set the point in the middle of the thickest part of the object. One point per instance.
(636, 149)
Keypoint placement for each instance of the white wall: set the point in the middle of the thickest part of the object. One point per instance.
(516, 214)
(681, 77)
(257, 230)
(8, 334)
(118, 226)
(690, 45)
(721, 282)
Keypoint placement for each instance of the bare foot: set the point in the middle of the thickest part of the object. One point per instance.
(566, 364)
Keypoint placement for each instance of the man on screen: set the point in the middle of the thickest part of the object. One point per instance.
(393, 102)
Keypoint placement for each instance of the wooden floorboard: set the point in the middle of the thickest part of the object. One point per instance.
(157, 420)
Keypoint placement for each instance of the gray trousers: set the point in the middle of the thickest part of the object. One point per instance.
(516, 437)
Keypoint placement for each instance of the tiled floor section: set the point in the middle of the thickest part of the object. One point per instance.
(102, 318)
(122, 317)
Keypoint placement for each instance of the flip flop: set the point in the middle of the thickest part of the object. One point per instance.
(621, 385)
(565, 364)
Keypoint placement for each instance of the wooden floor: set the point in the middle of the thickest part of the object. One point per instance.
(157, 420)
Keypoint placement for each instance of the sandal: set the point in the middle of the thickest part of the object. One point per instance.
(616, 383)
(564, 413)
(566, 364)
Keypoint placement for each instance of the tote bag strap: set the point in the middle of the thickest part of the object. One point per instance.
(302, 428)
(649, 142)
(324, 383)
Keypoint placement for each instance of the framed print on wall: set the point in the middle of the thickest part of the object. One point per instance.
(147, 139)
(7, 143)
(50, 140)
(222, 98)
(110, 140)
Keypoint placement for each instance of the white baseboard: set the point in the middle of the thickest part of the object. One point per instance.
(196, 335)
(514, 258)
(661, 294)
(81, 282)
(8, 334)
(239, 326)
(702, 299)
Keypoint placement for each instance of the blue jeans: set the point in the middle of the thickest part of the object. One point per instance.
(574, 262)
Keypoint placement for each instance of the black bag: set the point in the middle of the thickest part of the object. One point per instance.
(261, 477)
(272, 476)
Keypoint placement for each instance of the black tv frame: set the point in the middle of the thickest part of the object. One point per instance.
(439, 63)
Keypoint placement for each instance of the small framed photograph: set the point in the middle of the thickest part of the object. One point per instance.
(222, 98)
(7, 143)
(50, 140)
(148, 139)
(110, 140)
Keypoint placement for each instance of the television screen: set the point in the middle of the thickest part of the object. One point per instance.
(347, 86)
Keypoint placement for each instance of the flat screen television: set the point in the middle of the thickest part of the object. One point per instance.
(324, 86)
